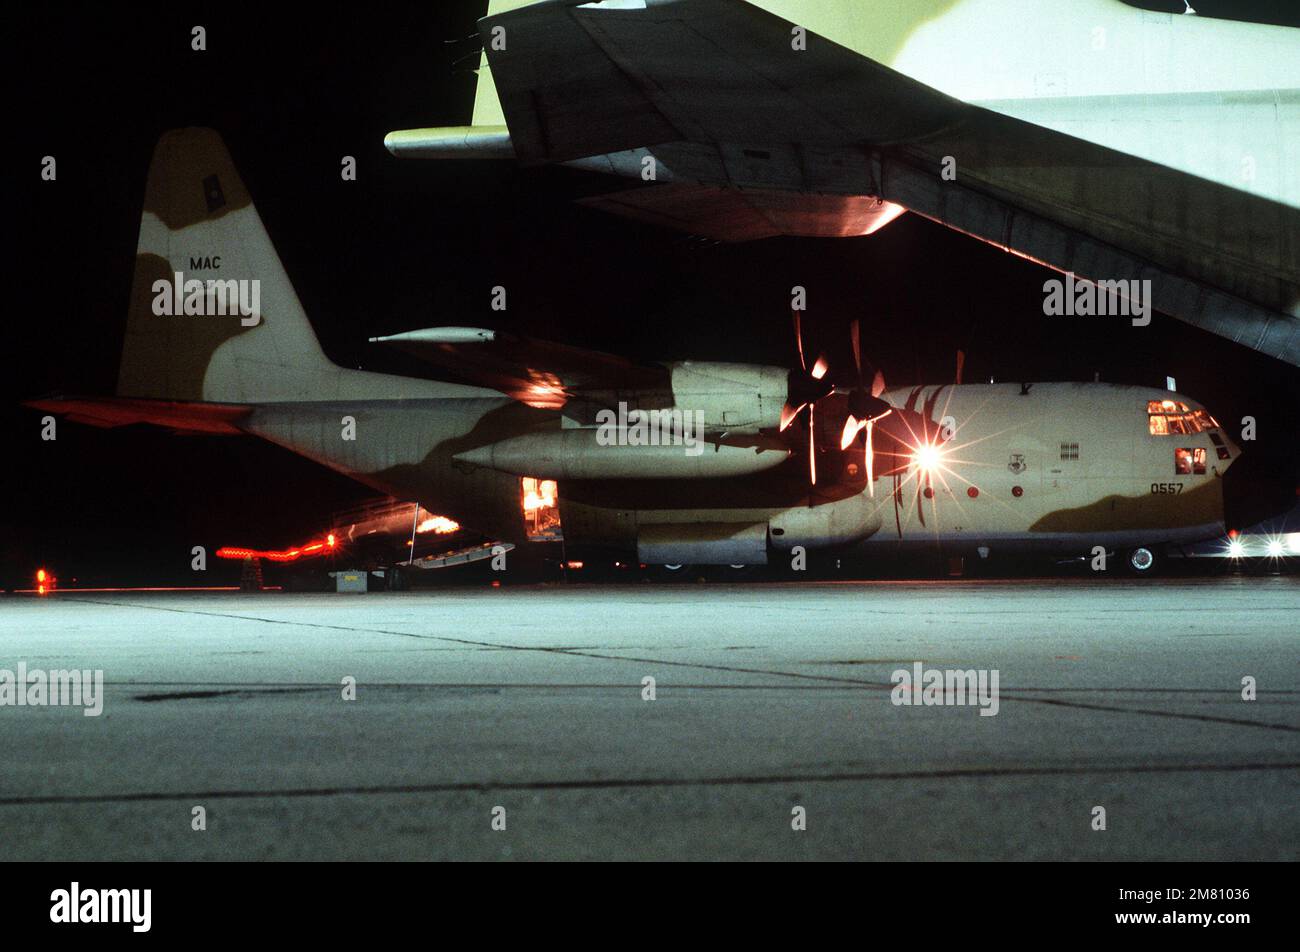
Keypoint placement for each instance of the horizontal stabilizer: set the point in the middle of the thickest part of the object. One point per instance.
(179, 416)
(536, 372)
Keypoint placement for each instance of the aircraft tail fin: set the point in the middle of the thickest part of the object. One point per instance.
(487, 105)
(213, 316)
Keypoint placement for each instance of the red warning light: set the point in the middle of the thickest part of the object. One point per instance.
(45, 582)
(288, 555)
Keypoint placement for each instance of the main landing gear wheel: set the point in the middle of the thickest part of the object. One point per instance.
(1141, 561)
(669, 573)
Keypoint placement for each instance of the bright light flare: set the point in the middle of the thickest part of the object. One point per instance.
(1275, 549)
(927, 457)
(1235, 549)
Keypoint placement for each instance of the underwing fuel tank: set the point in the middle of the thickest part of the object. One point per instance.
(580, 454)
(452, 142)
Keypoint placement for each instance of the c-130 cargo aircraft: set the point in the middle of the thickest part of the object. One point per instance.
(683, 462)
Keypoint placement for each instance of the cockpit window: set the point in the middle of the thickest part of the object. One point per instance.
(1189, 462)
(1169, 417)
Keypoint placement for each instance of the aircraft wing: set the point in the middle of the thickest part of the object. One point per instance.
(536, 372)
(719, 93)
(178, 416)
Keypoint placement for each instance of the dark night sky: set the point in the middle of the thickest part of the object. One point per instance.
(413, 244)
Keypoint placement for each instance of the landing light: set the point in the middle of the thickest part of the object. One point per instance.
(1235, 549)
(1275, 548)
(927, 457)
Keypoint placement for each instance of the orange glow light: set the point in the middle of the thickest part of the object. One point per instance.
(316, 547)
(538, 493)
(439, 525)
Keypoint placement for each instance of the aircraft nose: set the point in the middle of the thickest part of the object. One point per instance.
(1257, 487)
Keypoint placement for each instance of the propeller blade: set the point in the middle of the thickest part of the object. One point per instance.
(820, 367)
(850, 432)
(788, 413)
(878, 384)
(961, 362)
(871, 477)
(812, 446)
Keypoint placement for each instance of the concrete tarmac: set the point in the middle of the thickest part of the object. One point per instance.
(768, 698)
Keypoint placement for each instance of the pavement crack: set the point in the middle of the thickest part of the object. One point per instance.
(647, 782)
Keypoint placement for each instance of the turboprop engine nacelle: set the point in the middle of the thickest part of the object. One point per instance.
(842, 522)
(738, 398)
(589, 453)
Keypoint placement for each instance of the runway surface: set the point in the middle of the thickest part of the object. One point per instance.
(1119, 695)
